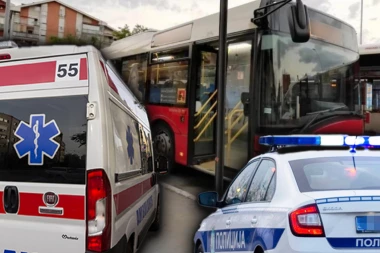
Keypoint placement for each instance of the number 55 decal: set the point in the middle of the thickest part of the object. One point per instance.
(67, 70)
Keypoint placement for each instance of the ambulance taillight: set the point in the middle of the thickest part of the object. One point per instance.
(98, 208)
(5, 57)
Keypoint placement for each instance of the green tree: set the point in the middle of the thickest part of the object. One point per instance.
(122, 33)
(139, 29)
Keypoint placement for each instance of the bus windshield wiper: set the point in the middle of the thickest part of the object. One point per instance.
(317, 114)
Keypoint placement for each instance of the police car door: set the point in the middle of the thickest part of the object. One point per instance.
(253, 221)
(43, 149)
(228, 235)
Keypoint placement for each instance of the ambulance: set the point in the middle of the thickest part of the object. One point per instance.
(77, 171)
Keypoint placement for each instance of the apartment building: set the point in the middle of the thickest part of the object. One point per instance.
(2, 17)
(38, 22)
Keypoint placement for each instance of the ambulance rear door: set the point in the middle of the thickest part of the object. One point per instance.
(43, 154)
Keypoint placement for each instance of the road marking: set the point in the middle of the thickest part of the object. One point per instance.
(179, 191)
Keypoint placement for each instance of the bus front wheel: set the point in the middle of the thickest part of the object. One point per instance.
(163, 140)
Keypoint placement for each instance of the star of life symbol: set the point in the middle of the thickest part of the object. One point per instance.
(36, 139)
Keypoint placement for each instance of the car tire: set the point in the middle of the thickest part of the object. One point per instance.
(129, 247)
(200, 248)
(163, 141)
(157, 222)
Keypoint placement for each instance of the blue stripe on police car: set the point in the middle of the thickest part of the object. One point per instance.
(240, 239)
(351, 243)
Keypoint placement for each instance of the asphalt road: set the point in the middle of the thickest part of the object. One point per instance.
(191, 180)
(180, 219)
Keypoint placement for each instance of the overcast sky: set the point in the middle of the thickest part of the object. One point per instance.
(160, 14)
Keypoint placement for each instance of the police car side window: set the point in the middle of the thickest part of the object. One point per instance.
(263, 184)
(238, 189)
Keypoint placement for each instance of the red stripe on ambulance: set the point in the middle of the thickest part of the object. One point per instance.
(36, 73)
(126, 198)
(83, 72)
(43, 72)
(73, 206)
(2, 211)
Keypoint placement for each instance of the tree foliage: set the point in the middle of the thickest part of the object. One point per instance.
(125, 31)
(72, 40)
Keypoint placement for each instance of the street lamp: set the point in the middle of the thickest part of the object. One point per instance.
(222, 69)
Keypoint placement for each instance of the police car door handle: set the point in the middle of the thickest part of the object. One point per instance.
(228, 222)
(254, 221)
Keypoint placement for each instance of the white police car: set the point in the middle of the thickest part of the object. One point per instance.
(321, 200)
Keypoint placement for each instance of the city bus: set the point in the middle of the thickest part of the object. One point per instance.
(274, 85)
(370, 77)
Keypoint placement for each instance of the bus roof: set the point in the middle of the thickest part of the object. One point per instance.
(45, 51)
(239, 20)
(369, 49)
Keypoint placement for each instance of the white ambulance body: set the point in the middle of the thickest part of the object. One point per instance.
(76, 161)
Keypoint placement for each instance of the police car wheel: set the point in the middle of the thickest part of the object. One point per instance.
(164, 143)
(200, 249)
(129, 247)
(156, 223)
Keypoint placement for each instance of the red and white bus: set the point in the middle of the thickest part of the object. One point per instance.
(274, 85)
(370, 77)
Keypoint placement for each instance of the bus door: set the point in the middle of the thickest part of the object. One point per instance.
(205, 104)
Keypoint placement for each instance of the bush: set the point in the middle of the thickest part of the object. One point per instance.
(72, 40)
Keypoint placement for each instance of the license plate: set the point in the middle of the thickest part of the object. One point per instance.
(368, 224)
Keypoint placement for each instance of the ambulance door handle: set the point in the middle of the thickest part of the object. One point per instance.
(11, 199)
(254, 221)
(228, 222)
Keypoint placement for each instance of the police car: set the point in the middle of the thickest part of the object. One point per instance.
(324, 199)
(77, 170)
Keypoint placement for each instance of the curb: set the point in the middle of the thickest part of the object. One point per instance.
(179, 191)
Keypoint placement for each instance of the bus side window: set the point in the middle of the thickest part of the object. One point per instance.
(146, 151)
(134, 74)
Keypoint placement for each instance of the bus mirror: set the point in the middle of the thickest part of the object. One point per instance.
(299, 23)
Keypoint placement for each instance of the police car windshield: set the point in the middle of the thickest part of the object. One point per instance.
(337, 173)
(43, 140)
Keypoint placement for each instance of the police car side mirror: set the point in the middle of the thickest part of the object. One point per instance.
(208, 199)
(162, 165)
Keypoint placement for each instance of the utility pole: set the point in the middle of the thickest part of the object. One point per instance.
(7, 19)
(361, 23)
(222, 69)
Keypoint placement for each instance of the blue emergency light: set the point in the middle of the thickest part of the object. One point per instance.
(321, 140)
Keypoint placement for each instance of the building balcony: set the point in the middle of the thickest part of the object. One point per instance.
(25, 36)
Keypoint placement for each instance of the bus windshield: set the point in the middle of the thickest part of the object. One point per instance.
(300, 80)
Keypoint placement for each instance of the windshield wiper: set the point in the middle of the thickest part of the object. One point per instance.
(317, 115)
(328, 110)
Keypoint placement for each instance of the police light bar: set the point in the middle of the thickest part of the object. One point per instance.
(320, 140)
